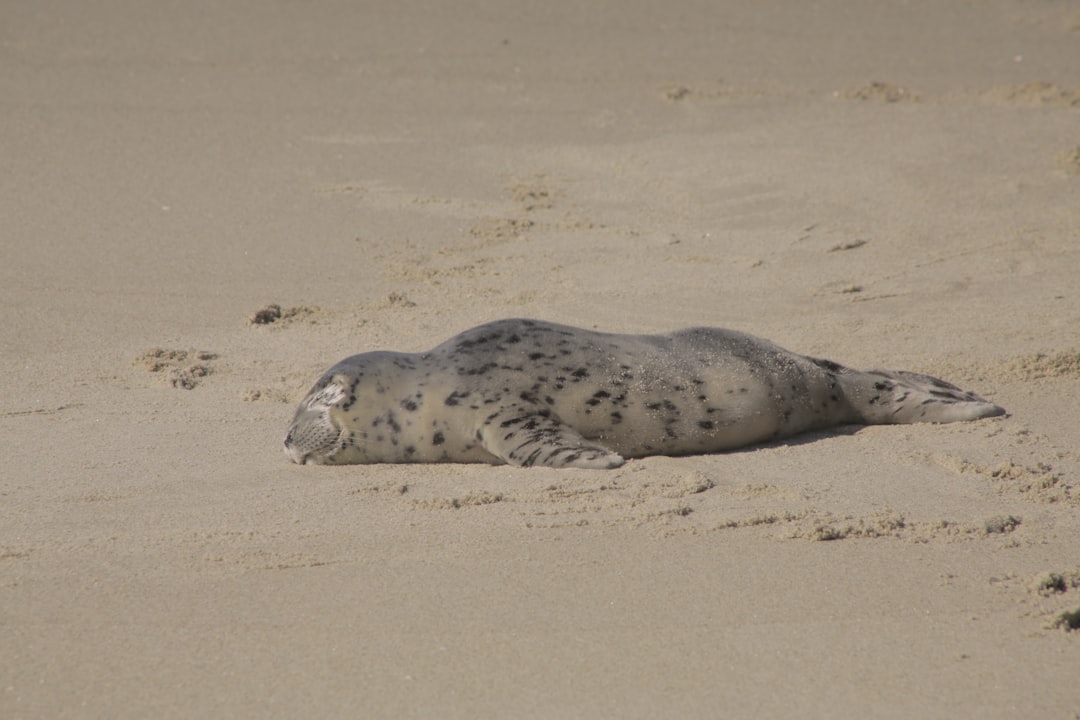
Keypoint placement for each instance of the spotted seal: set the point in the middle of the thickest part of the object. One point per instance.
(526, 392)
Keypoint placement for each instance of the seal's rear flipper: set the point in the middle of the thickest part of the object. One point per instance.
(897, 396)
(524, 436)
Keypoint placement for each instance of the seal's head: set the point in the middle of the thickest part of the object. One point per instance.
(314, 436)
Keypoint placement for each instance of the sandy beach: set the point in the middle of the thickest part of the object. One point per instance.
(883, 184)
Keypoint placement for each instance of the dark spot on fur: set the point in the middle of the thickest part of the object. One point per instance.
(827, 365)
(455, 397)
(438, 439)
(527, 462)
(706, 424)
(480, 370)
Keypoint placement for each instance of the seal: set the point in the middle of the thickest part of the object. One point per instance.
(527, 392)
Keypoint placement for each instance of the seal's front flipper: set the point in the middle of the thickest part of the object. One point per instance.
(525, 436)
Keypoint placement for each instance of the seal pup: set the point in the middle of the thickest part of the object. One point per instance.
(527, 392)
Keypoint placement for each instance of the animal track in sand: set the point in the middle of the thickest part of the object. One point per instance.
(274, 314)
(183, 369)
(1034, 94)
(1036, 483)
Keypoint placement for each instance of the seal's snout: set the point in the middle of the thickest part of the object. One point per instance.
(290, 450)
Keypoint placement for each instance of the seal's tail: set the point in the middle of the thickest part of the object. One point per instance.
(881, 397)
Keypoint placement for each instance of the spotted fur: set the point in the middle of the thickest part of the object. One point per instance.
(526, 392)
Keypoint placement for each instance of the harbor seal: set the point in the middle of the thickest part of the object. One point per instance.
(527, 392)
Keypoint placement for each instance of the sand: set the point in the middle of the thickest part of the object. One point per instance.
(882, 184)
